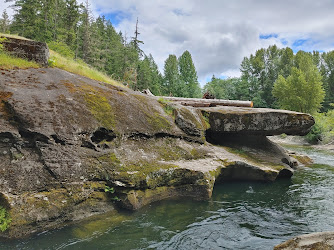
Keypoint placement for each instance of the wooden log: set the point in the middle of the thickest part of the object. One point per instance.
(197, 102)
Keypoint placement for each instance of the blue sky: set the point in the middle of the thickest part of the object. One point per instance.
(220, 33)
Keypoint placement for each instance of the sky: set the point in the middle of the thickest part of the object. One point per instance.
(220, 33)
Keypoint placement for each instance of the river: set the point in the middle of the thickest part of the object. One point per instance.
(240, 215)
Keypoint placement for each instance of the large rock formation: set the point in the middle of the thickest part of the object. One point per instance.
(71, 147)
(259, 121)
(27, 49)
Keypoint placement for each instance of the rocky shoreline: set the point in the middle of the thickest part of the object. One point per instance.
(72, 147)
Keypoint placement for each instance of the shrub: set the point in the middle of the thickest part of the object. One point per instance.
(4, 219)
(323, 130)
(61, 48)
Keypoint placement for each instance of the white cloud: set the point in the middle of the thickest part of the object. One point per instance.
(6, 6)
(219, 33)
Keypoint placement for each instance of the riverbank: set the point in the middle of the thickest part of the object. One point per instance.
(239, 215)
(301, 141)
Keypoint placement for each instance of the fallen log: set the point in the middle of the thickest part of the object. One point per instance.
(197, 102)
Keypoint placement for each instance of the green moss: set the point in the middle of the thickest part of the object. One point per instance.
(206, 119)
(101, 109)
(5, 219)
(165, 104)
(95, 185)
(158, 122)
(198, 154)
(153, 117)
(188, 115)
(110, 159)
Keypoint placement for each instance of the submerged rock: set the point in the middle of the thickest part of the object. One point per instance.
(71, 147)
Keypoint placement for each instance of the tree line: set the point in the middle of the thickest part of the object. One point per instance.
(278, 78)
(70, 29)
(272, 77)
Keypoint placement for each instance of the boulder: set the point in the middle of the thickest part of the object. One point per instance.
(28, 49)
(314, 241)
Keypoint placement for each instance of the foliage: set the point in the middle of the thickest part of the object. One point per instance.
(323, 130)
(188, 76)
(80, 68)
(302, 90)
(326, 66)
(2, 39)
(61, 48)
(5, 219)
(111, 190)
(172, 85)
(10, 62)
(4, 22)
(180, 77)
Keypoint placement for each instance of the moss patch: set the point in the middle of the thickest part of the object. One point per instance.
(206, 119)
(96, 101)
(165, 104)
(154, 118)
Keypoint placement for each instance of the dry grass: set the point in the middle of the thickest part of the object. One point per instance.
(13, 36)
(79, 68)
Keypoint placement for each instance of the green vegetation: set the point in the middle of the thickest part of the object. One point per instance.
(169, 110)
(180, 77)
(111, 190)
(101, 109)
(323, 130)
(302, 90)
(80, 68)
(4, 219)
(10, 62)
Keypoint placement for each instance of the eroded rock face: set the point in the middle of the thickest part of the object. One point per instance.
(257, 121)
(65, 138)
(28, 49)
(314, 241)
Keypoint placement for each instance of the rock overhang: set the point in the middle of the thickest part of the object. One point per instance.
(257, 121)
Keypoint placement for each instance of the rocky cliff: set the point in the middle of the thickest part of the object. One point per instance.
(71, 147)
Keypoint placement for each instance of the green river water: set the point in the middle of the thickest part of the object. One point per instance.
(240, 215)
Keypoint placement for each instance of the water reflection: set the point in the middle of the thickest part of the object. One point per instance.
(240, 215)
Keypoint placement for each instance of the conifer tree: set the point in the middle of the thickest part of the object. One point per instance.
(171, 85)
(188, 76)
(4, 22)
